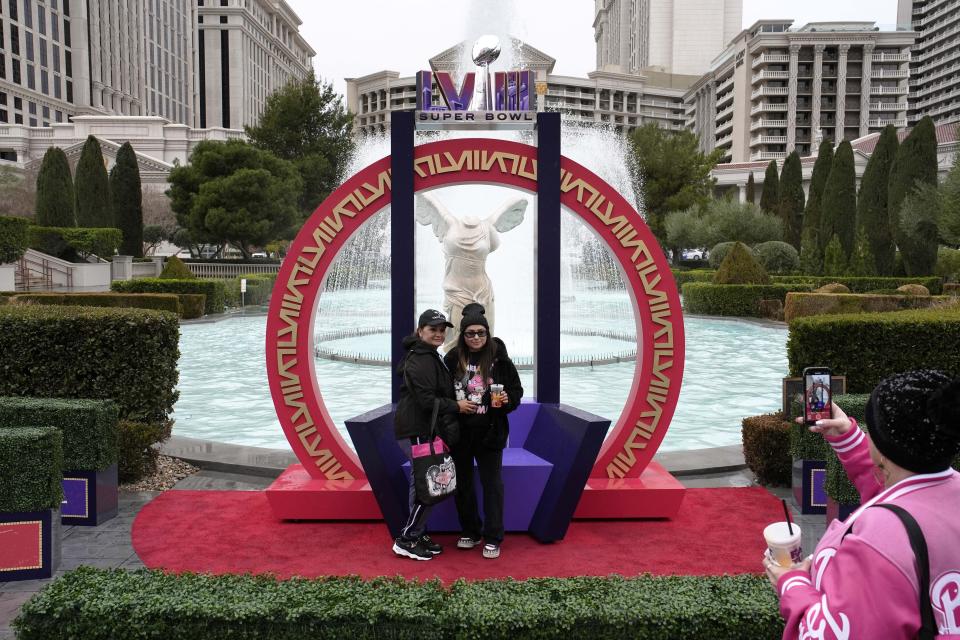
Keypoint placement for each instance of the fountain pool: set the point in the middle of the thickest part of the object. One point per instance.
(732, 370)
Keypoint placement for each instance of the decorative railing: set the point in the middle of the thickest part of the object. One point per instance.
(229, 269)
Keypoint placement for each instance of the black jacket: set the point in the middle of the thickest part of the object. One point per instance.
(491, 429)
(425, 378)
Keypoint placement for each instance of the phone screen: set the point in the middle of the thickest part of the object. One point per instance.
(817, 396)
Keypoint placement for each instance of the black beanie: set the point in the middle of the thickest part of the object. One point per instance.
(914, 420)
(473, 313)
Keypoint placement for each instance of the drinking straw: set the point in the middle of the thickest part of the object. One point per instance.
(786, 512)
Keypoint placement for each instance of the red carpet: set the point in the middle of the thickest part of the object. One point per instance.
(717, 531)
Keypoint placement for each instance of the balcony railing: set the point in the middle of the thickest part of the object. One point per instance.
(767, 124)
(768, 140)
(770, 91)
(768, 155)
(890, 57)
(770, 58)
(882, 122)
(767, 74)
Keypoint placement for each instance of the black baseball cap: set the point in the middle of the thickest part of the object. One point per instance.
(433, 318)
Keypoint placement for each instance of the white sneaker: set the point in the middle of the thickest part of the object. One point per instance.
(466, 542)
(491, 551)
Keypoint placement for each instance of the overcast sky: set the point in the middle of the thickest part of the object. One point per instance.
(359, 37)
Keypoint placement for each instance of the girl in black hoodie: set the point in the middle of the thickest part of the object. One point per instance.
(478, 361)
(425, 379)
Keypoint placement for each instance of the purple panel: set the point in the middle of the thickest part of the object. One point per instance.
(818, 494)
(521, 421)
(76, 498)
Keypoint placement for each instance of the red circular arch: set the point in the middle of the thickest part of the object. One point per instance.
(629, 447)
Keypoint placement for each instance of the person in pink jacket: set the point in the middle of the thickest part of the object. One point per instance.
(863, 581)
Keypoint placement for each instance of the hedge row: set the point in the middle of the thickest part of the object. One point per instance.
(31, 469)
(859, 284)
(800, 304)
(869, 347)
(113, 603)
(13, 238)
(67, 242)
(733, 299)
(89, 427)
(127, 355)
(766, 448)
(155, 301)
(694, 275)
(259, 288)
(214, 290)
(806, 445)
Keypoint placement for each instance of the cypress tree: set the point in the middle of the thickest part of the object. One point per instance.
(790, 202)
(92, 188)
(834, 260)
(751, 190)
(811, 250)
(55, 191)
(915, 163)
(127, 197)
(873, 219)
(839, 207)
(771, 189)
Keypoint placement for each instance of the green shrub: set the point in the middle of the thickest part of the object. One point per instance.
(777, 257)
(766, 448)
(806, 445)
(799, 305)
(215, 290)
(138, 457)
(174, 269)
(948, 264)
(31, 469)
(951, 289)
(833, 287)
(259, 288)
(155, 301)
(693, 275)
(13, 238)
(914, 290)
(718, 253)
(101, 603)
(869, 347)
(192, 305)
(741, 267)
(733, 299)
(69, 243)
(128, 355)
(89, 427)
(862, 284)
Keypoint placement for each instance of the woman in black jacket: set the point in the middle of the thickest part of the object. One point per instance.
(478, 361)
(425, 379)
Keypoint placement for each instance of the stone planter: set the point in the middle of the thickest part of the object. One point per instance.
(837, 511)
(31, 545)
(808, 491)
(90, 497)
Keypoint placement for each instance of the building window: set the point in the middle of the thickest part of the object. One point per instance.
(69, 91)
(58, 116)
(56, 58)
(55, 30)
(13, 9)
(16, 71)
(31, 81)
(32, 108)
(68, 63)
(14, 40)
(66, 32)
(43, 52)
(3, 116)
(41, 19)
(3, 66)
(18, 103)
(45, 85)
(27, 14)
(66, 6)
(56, 87)
(18, 118)
(28, 39)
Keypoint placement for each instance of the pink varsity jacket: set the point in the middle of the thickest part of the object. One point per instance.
(865, 587)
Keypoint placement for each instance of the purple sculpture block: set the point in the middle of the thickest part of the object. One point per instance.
(90, 497)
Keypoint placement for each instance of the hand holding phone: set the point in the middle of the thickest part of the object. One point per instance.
(817, 396)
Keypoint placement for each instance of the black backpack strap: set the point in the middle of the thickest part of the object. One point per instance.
(928, 627)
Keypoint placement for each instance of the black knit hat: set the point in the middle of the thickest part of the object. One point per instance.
(473, 313)
(914, 420)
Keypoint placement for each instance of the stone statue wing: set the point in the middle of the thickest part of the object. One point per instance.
(429, 210)
(509, 215)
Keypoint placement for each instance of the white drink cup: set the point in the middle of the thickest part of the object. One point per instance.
(495, 391)
(785, 547)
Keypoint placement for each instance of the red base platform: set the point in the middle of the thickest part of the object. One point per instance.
(296, 496)
(655, 494)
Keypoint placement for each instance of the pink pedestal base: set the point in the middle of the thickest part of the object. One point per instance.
(296, 496)
(655, 494)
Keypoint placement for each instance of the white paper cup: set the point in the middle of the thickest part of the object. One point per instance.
(785, 548)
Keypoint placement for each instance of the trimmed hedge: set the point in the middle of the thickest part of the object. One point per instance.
(863, 284)
(127, 355)
(67, 242)
(801, 304)
(733, 299)
(104, 603)
(155, 301)
(693, 275)
(215, 290)
(867, 347)
(766, 448)
(31, 469)
(259, 288)
(13, 238)
(138, 457)
(192, 305)
(89, 427)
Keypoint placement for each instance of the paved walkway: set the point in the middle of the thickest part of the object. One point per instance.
(109, 545)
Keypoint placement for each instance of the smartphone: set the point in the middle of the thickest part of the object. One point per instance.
(817, 398)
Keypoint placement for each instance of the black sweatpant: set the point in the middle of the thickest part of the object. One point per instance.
(490, 466)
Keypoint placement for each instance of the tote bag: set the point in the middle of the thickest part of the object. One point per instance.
(434, 474)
